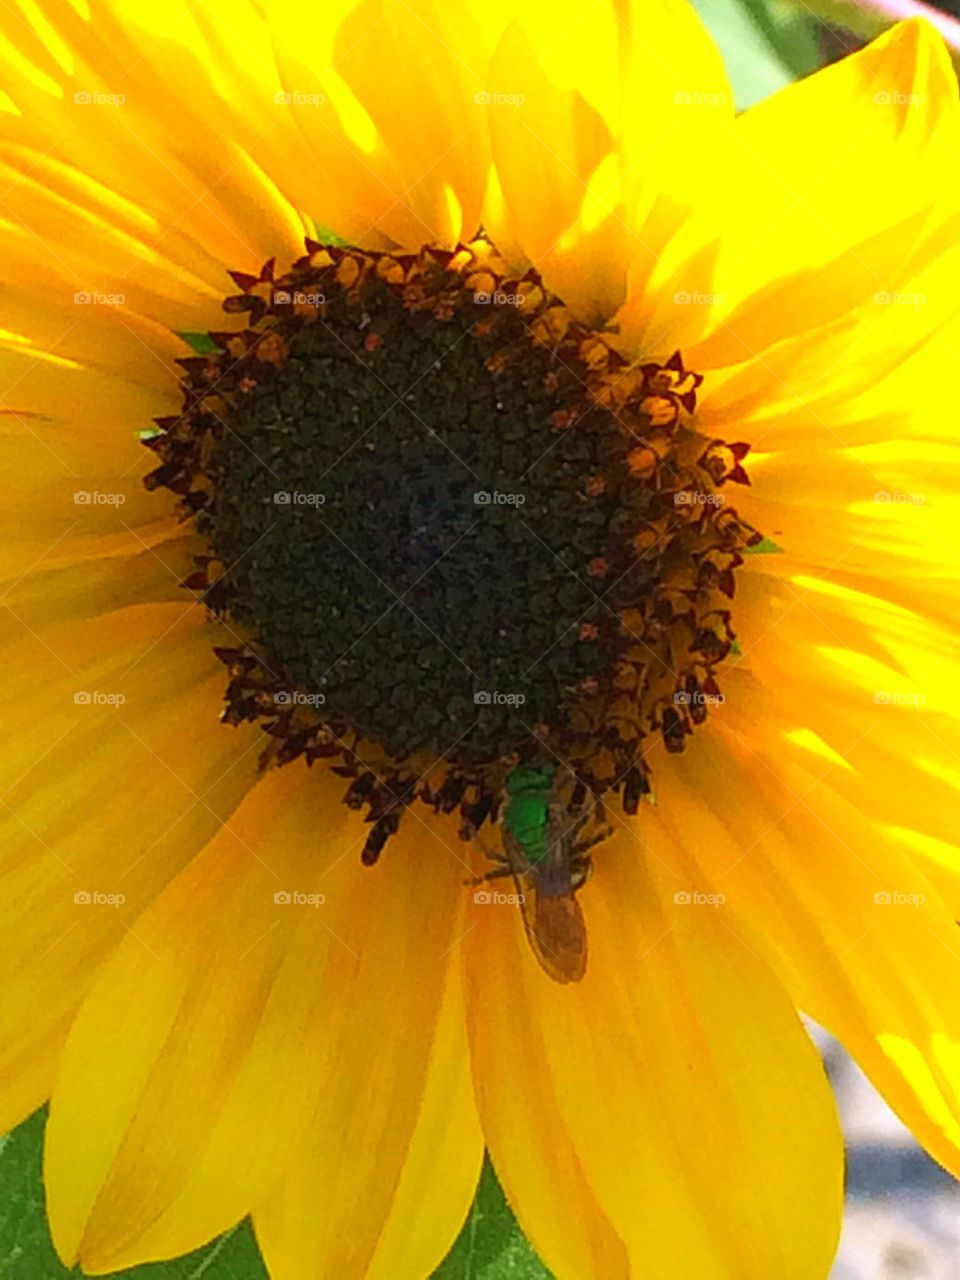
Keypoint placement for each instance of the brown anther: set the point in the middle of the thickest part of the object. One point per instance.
(642, 462)
(659, 410)
(674, 730)
(646, 538)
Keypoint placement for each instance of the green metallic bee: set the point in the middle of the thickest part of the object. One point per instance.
(549, 864)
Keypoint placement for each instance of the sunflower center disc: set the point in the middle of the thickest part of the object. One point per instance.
(407, 535)
(456, 528)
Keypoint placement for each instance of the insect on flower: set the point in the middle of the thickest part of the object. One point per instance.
(545, 852)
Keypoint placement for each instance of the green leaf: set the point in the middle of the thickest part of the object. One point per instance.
(27, 1253)
(491, 1245)
(324, 235)
(201, 343)
(792, 31)
(765, 547)
(746, 40)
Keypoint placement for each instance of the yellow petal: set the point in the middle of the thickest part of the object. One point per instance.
(854, 466)
(811, 219)
(436, 58)
(137, 171)
(937, 859)
(84, 379)
(232, 1019)
(871, 680)
(388, 1066)
(178, 145)
(672, 1094)
(598, 116)
(551, 138)
(792, 236)
(818, 887)
(445, 1151)
(191, 991)
(102, 797)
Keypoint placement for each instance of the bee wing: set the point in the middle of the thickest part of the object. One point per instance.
(556, 931)
(551, 915)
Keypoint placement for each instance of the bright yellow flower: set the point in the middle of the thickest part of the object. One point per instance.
(336, 1069)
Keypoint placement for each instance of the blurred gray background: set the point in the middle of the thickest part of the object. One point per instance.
(903, 1211)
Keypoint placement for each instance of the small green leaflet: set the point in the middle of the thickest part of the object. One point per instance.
(765, 547)
(323, 235)
(490, 1246)
(201, 343)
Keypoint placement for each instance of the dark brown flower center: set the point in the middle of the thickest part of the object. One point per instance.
(456, 529)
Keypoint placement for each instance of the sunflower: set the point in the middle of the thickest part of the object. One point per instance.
(563, 457)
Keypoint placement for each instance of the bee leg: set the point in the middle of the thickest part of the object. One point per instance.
(583, 845)
(502, 869)
(497, 874)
